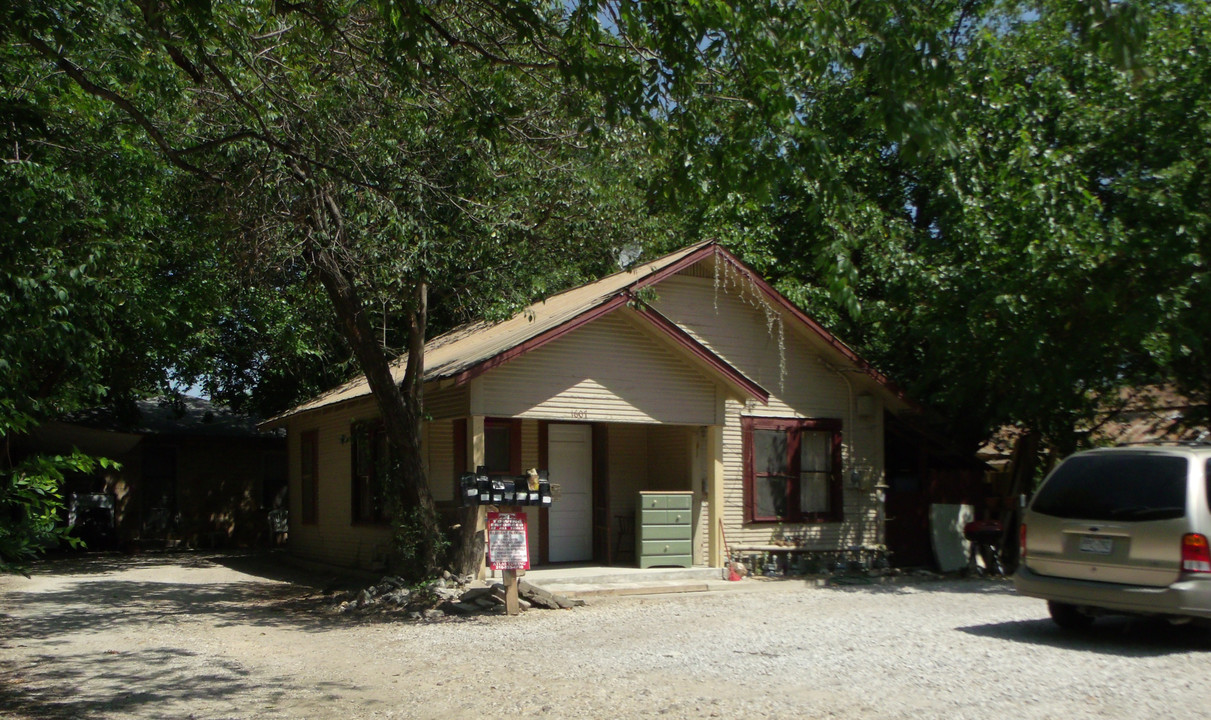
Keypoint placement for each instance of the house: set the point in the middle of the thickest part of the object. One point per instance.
(688, 374)
(190, 473)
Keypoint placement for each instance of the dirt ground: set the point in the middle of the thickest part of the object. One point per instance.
(231, 636)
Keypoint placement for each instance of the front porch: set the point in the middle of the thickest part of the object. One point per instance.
(597, 472)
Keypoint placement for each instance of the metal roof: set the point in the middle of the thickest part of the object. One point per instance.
(472, 349)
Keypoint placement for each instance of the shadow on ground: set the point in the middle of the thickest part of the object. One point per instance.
(96, 594)
(1117, 636)
(120, 684)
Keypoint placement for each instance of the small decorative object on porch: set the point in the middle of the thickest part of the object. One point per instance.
(509, 552)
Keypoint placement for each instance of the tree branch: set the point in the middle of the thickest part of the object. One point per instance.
(77, 74)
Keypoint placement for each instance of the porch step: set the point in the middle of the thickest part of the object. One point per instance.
(587, 582)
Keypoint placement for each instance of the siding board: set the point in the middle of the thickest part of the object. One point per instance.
(607, 371)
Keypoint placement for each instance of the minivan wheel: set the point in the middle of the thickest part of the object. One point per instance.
(1068, 616)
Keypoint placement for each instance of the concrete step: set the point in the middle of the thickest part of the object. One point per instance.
(585, 582)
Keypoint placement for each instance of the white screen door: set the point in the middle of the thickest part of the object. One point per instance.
(570, 462)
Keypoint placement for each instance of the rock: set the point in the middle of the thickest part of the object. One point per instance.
(414, 615)
(460, 608)
(475, 593)
(365, 597)
(398, 597)
(447, 594)
(543, 598)
(434, 614)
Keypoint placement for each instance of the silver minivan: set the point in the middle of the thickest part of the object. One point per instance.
(1121, 531)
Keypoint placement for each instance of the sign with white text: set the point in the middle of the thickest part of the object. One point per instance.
(507, 547)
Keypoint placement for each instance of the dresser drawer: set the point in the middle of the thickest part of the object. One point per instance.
(679, 502)
(664, 532)
(667, 547)
(648, 561)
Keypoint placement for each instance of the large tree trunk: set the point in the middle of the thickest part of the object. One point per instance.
(1022, 468)
(408, 495)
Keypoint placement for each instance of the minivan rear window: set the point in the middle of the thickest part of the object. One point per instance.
(1115, 487)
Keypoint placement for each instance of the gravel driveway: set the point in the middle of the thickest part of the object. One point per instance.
(212, 636)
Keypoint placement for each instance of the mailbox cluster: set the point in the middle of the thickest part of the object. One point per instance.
(479, 489)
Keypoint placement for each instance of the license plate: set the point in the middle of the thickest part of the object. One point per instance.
(1097, 545)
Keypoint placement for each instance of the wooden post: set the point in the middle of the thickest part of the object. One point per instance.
(512, 605)
(714, 500)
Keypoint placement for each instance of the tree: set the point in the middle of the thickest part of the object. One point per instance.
(999, 271)
(405, 150)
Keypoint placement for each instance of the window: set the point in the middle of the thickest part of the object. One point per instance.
(370, 463)
(792, 470)
(1120, 487)
(502, 446)
(308, 463)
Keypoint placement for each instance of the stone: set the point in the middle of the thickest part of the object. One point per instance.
(475, 593)
(398, 597)
(460, 608)
(543, 598)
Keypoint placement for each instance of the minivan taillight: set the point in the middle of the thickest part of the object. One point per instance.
(1196, 554)
(1022, 541)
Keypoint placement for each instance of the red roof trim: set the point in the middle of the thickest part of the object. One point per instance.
(811, 324)
(687, 341)
(698, 255)
(605, 308)
(541, 339)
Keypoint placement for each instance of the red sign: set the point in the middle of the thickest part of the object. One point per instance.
(507, 547)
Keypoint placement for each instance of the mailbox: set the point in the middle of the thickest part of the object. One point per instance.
(480, 489)
(468, 489)
(544, 490)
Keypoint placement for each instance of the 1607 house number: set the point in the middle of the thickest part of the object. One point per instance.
(579, 414)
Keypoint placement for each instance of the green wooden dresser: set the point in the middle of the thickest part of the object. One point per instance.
(663, 532)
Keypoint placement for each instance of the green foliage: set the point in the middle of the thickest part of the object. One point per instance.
(409, 538)
(31, 506)
(1046, 254)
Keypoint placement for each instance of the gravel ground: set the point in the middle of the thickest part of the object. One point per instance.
(210, 636)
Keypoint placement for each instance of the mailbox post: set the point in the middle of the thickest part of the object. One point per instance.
(508, 552)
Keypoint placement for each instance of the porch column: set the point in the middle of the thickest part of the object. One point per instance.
(475, 458)
(714, 483)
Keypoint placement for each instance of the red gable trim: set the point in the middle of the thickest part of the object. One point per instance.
(541, 339)
(811, 324)
(685, 340)
(605, 308)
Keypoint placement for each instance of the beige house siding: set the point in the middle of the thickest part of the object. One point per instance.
(606, 371)
(439, 459)
(333, 538)
(628, 467)
(447, 403)
(789, 364)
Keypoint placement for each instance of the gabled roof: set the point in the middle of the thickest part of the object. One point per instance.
(468, 351)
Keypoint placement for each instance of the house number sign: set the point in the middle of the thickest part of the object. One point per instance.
(507, 548)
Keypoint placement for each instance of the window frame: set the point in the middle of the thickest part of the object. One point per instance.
(309, 445)
(372, 432)
(513, 425)
(794, 427)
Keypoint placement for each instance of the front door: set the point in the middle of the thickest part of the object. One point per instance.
(570, 463)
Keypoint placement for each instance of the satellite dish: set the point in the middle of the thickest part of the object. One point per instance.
(628, 254)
